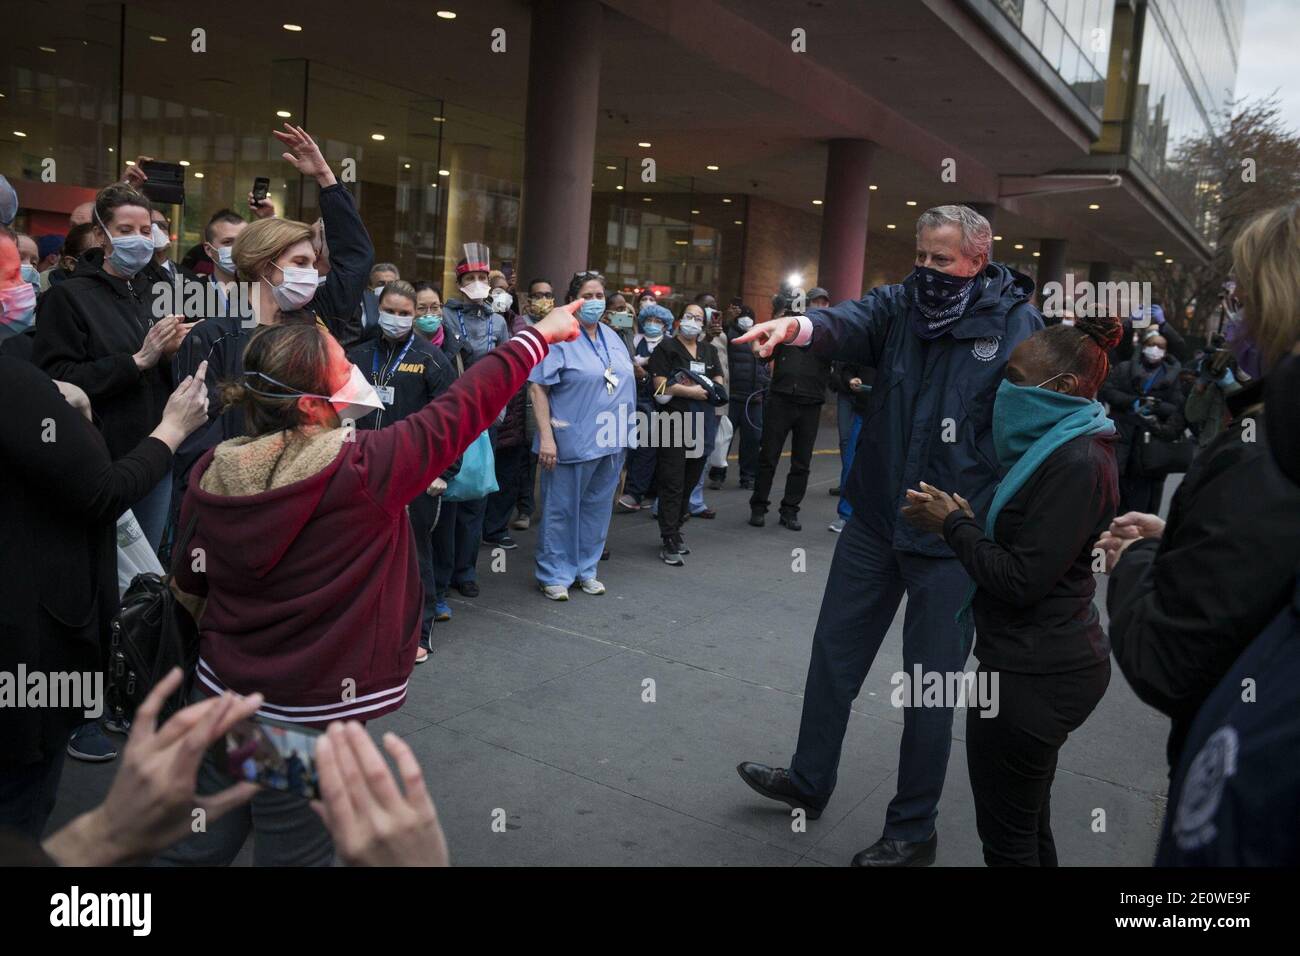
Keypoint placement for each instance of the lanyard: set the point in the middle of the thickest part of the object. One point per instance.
(491, 330)
(609, 364)
(389, 370)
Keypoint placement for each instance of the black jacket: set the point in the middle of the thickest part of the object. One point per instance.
(746, 372)
(422, 375)
(351, 256)
(844, 372)
(799, 374)
(88, 328)
(1126, 384)
(1033, 607)
(62, 499)
(1184, 607)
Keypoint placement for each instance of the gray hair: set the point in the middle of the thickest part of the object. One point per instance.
(385, 267)
(976, 233)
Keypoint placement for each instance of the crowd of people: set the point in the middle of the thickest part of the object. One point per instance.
(310, 401)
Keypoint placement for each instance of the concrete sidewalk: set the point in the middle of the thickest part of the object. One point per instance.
(534, 710)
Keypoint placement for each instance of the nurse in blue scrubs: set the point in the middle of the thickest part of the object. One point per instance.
(584, 396)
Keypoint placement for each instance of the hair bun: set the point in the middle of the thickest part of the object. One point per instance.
(232, 393)
(1105, 330)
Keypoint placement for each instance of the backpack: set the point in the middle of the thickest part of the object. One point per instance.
(150, 634)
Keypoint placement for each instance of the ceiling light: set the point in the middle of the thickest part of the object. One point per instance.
(1019, 245)
(447, 14)
(618, 188)
(726, 200)
(129, 162)
(292, 27)
(157, 39)
(911, 202)
(611, 167)
(1160, 252)
(646, 199)
(817, 202)
(283, 114)
(711, 168)
(444, 172)
(644, 145)
(997, 238)
(695, 212)
(679, 242)
(198, 175)
(184, 162)
(873, 188)
(1169, 262)
(1093, 205)
(1036, 254)
(47, 49)
(377, 137)
(891, 226)
(406, 165)
(738, 222)
(440, 119)
(20, 133)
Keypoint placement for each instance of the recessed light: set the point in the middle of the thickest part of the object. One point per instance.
(997, 238)
(618, 187)
(679, 242)
(911, 202)
(406, 165)
(110, 149)
(1169, 262)
(444, 172)
(440, 119)
(198, 175)
(726, 200)
(447, 14)
(283, 114)
(711, 168)
(695, 212)
(1160, 252)
(433, 185)
(1093, 205)
(20, 133)
(738, 222)
(292, 27)
(611, 167)
(817, 202)
(873, 188)
(47, 49)
(129, 162)
(1019, 245)
(1036, 254)
(184, 162)
(646, 199)
(644, 145)
(377, 137)
(891, 226)
(157, 39)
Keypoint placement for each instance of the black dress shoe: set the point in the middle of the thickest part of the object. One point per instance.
(757, 519)
(468, 588)
(775, 784)
(885, 852)
(791, 522)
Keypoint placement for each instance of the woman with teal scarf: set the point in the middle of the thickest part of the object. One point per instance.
(1044, 660)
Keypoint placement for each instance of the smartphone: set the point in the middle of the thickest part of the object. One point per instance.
(165, 182)
(273, 754)
(261, 186)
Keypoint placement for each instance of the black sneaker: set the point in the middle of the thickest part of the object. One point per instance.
(757, 518)
(89, 743)
(681, 545)
(835, 492)
(505, 542)
(468, 588)
(668, 553)
(791, 522)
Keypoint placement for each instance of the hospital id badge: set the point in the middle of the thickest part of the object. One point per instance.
(385, 393)
(697, 368)
(611, 381)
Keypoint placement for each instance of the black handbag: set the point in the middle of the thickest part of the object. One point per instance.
(1158, 457)
(150, 634)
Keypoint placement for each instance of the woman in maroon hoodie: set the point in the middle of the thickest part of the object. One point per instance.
(302, 553)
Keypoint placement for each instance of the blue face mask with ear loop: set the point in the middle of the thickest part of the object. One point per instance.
(130, 253)
(591, 310)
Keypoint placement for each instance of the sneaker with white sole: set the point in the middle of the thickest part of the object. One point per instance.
(591, 586)
(555, 592)
(837, 525)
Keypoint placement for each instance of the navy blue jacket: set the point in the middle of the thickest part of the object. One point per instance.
(926, 391)
(1235, 796)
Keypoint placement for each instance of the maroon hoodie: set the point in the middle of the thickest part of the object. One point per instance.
(303, 550)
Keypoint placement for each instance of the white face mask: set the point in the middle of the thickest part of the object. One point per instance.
(690, 328)
(226, 260)
(1153, 354)
(354, 400)
(160, 239)
(297, 289)
(475, 291)
(501, 301)
(396, 326)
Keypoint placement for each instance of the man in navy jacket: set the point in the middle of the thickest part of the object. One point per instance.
(938, 341)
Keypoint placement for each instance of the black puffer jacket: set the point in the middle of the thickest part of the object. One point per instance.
(748, 373)
(88, 328)
(1130, 381)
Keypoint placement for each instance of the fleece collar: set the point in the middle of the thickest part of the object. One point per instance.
(249, 466)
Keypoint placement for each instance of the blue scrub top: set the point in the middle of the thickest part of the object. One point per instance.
(587, 421)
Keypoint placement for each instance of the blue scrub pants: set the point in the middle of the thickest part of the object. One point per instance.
(844, 509)
(866, 582)
(576, 502)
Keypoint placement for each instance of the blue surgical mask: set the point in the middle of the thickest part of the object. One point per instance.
(653, 330)
(226, 260)
(131, 253)
(591, 311)
(30, 273)
(429, 324)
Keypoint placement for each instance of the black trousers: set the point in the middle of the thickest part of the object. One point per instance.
(1012, 758)
(512, 472)
(676, 476)
(1137, 493)
(423, 512)
(782, 417)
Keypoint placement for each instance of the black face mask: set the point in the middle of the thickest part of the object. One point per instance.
(1282, 415)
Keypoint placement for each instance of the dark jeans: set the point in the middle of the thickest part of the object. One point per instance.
(444, 548)
(511, 467)
(641, 464)
(1140, 494)
(676, 476)
(865, 584)
(799, 420)
(1012, 759)
(525, 503)
(844, 413)
(424, 517)
(27, 792)
(750, 436)
(469, 533)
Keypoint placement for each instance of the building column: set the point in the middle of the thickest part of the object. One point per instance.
(844, 218)
(559, 140)
(1051, 264)
(1098, 272)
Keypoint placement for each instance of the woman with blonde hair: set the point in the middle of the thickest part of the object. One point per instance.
(1187, 596)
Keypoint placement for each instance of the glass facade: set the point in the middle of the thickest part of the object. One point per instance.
(1186, 74)
(1074, 38)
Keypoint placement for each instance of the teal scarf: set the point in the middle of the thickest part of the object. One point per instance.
(1030, 423)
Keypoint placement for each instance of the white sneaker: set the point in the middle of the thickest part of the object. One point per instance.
(837, 525)
(556, 592)
(591, 586)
